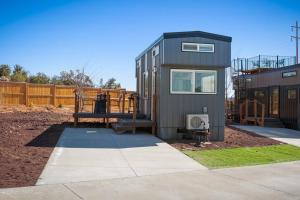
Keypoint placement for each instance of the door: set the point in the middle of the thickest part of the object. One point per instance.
(274, 102)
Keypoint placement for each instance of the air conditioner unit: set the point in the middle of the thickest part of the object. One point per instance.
(197, 121)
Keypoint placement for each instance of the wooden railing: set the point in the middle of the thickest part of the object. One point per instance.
(258, 116)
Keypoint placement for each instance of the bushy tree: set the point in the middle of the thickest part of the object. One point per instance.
(40, 78)
(5, 70)
(111, 84)
(73, 78)
(19, 74)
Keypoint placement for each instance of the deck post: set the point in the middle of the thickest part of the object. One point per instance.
(255, 108)
(246, 108)
(134, 114)
(123, 101)
(108, 108)
(263, 115)
(76, 109)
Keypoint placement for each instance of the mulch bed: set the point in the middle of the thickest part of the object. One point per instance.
(26, 142)
(233, 137)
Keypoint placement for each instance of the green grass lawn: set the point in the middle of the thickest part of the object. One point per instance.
(234, 157)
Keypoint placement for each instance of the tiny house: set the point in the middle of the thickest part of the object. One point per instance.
(183, 73)
(277, 87)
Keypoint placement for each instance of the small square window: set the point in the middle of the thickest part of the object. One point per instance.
(206, 48)
(189, 47)
(292, 94)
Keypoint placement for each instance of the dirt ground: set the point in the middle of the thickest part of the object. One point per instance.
(232, 138)
(27, 138)
(29, 134)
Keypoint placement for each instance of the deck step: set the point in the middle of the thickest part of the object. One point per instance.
(273, 122)
(127, 124)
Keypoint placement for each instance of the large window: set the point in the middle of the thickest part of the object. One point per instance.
(193, 81)
(198, 47)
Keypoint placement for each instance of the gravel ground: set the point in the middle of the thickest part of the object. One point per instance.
(232, 138)
(26, 142)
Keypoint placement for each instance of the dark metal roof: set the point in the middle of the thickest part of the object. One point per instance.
(197, 34)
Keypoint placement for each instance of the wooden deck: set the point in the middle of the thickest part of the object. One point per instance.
(106, 115)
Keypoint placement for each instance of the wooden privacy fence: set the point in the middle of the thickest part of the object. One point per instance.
(28, 94)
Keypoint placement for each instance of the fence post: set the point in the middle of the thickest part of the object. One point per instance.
(54, 95)
(26, 94)
(134, 114)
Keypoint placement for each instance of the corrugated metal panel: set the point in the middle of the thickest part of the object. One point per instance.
(174, 54)
(174, 107)
(289, 107)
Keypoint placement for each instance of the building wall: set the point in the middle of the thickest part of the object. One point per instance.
(173, 108)
(174, 54)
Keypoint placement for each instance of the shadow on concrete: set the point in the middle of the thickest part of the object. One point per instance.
(91, 135)
(269, 132)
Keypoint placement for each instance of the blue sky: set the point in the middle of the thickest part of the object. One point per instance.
(104, 37)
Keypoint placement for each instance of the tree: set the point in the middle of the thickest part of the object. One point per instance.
(19, 74)
(73, 78)
(5, 70)
(40, 78)
(56, 80)
(111, 84)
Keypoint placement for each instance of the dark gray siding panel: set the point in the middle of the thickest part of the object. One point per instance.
(174, 55)
(289, 107)
(174, 107)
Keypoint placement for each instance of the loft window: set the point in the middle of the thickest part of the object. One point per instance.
(198, 47)
(193, 81)
(292, 94)
(289, 74)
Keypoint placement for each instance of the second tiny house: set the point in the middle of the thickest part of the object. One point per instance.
(184, 73)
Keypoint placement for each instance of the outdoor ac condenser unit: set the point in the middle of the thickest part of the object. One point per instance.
(197, 121)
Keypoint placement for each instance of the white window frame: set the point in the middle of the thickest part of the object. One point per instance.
(198, 47)
(193, 81)
(289, 74)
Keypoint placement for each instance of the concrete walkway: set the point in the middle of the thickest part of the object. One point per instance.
(84, 154)
(276, 181)
(285, 135)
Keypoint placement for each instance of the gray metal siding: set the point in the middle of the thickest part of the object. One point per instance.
(149, 64)
(174, 107)
(174, 54)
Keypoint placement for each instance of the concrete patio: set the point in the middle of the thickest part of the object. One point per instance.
(285, 135)
(86, 154)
